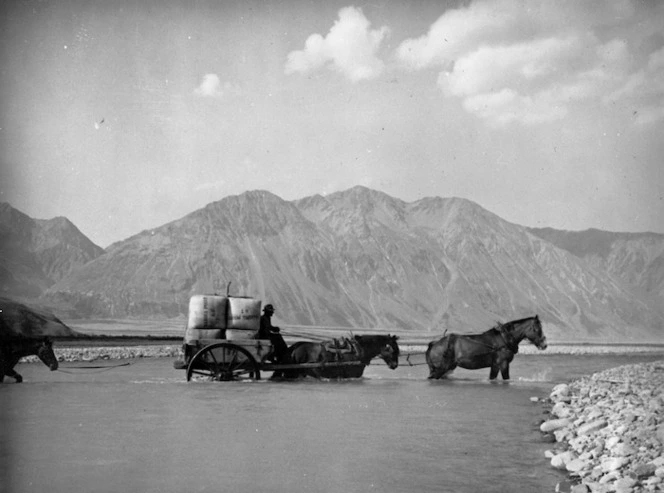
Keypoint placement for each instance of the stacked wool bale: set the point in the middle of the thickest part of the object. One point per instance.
(221, 317)
(609, 430)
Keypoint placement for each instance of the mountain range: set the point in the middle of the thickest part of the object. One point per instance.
(359, 259)
(35, 253)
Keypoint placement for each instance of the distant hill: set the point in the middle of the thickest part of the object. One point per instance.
(35, 254)
(363, 259)
(637, 259)
(19, 320)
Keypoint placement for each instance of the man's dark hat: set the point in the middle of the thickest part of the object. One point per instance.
(268, 308)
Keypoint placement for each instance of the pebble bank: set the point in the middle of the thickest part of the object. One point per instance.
(112, 352)
(608, 430)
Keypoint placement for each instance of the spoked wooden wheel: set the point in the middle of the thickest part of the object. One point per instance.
(223, 362)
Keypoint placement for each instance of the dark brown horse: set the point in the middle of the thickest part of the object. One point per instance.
(493, 349)
(12, 350)
(347, 357)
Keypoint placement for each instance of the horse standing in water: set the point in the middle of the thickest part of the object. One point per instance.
(12, 350)
(361, 349)
(493, 349)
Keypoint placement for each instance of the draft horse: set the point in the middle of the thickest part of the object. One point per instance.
(359, 348)
(12, 350)
(493, 349)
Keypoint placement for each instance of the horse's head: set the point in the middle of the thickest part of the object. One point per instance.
(535, 335)
(390, 352)
(46, 355)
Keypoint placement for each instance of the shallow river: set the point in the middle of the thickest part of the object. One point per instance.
(142, 428)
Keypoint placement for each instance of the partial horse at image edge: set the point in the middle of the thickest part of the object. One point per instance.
(494, 349)
(363, 348)
(12, 350)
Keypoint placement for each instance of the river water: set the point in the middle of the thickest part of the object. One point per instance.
(143, 428)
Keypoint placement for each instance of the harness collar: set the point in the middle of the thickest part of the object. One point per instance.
(511, 344)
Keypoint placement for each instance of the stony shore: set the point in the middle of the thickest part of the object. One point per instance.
(608, 430)
(113, 352)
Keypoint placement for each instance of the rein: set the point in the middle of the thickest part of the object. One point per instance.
(103, 368)
(410, 363)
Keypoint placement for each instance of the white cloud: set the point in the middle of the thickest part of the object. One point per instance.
(520, 65)
(513, 62)
(644, 89)
(488, 22)
(453, 33)
(350, 48)
(543, 77)
(507, 106)
(650, 114)
(211, 87)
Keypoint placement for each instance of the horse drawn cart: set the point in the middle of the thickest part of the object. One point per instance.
(221, 344)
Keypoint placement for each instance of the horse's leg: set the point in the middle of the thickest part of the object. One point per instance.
(442, 371)
(435, 370)
(494, 371)
(316, 372)
(9, 369)
(14, 374)
(449, 369)
(505, 371)
(439, 357)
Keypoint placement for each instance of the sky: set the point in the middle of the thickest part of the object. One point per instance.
(123, 116)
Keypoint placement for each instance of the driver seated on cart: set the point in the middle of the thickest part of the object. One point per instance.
(268, 331)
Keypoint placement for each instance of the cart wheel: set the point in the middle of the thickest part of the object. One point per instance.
(223, 362)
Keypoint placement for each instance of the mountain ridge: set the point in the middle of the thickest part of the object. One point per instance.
(360, 258)
(36, 253)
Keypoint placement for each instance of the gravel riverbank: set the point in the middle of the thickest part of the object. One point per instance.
(113, 352)
(608, 430)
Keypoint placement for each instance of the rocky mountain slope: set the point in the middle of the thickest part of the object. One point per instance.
(636, 259)
(35, 254)
(363, 259)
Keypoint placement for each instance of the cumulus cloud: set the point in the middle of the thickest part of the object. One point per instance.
(455, 32)
(645, 89)
(350, 47)
(513, 62)
(211, 87)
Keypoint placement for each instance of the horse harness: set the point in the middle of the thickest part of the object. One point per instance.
(507, 338)
(341, 347)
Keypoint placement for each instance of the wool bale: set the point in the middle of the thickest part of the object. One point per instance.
(207, 312)
(243, 318)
